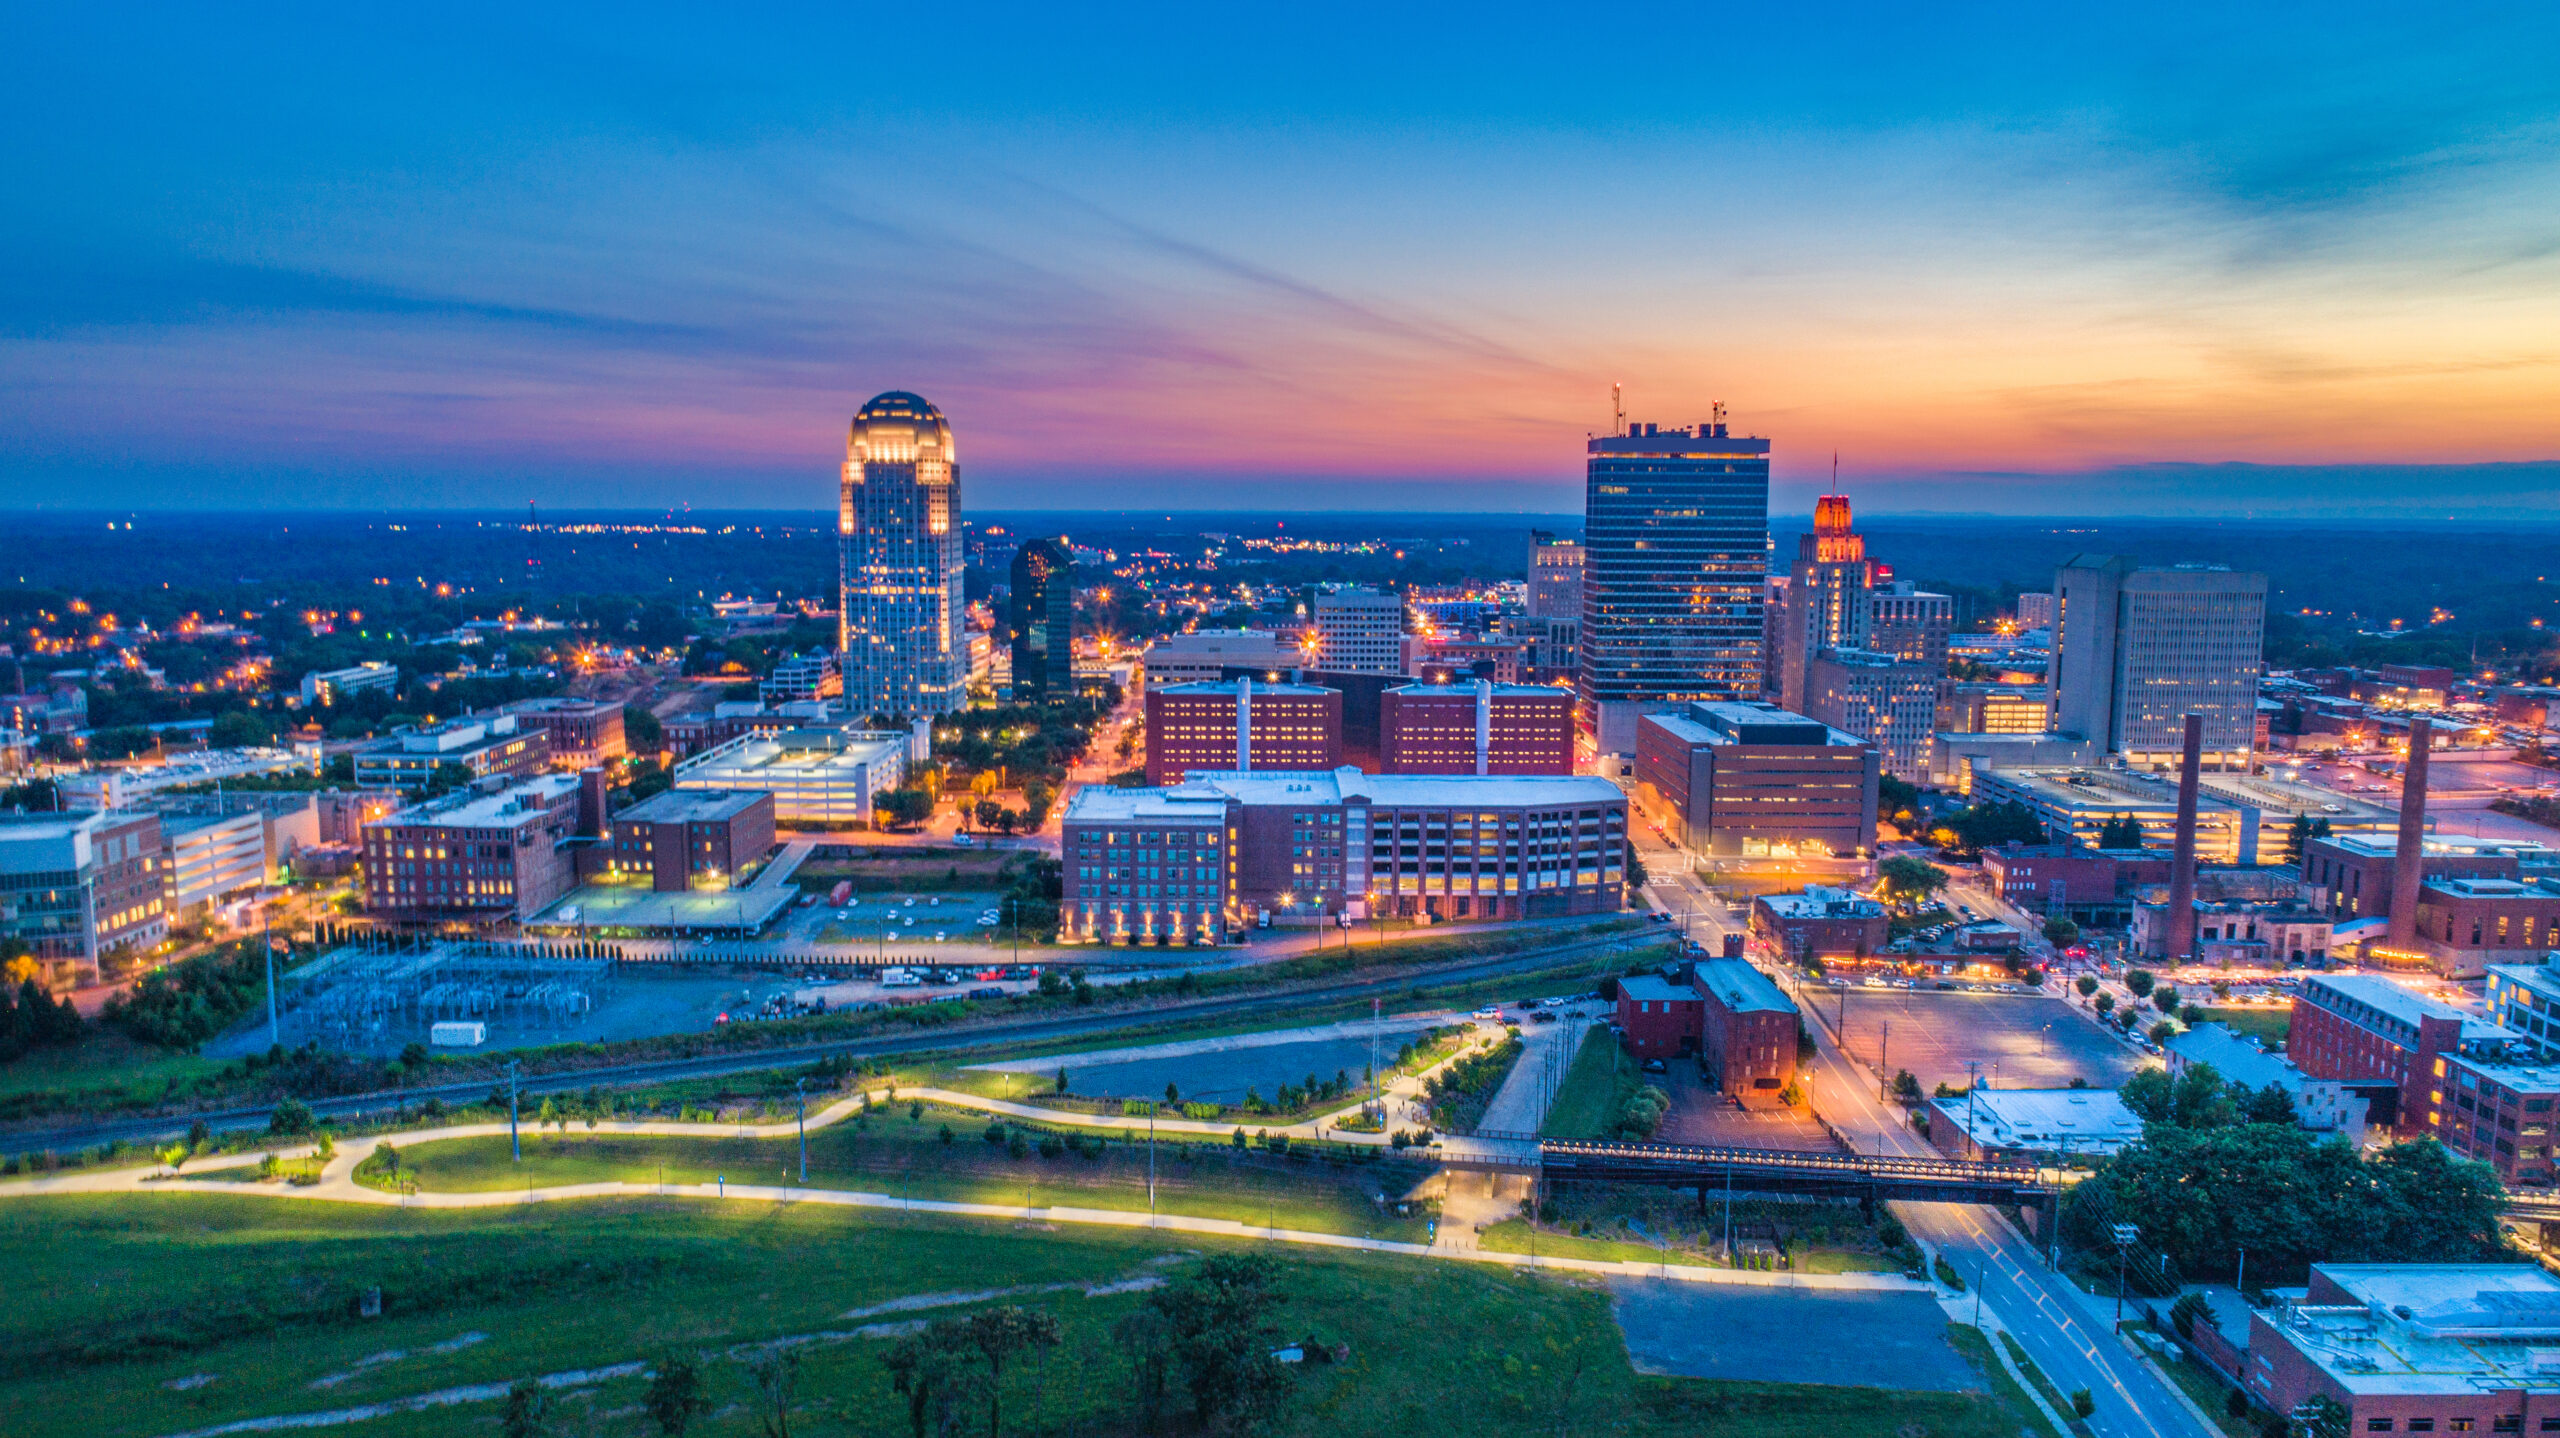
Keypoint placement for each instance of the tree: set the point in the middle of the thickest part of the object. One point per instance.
(674, 1398)
(772, 1382)
(1146, 1337)
(2082, 1405)
(2164, 997)
(1985, 825)
(1000, 1333)
(1908, 881)
(932, 1371)
(291, 1119)
(1037, 798)
(641, 731)
(2104, 1003)
(2139, 981)
(2120, 832)
(2086, 985)
(528, 1410)
(2292, 1199)
(1636, 875)
(2295, 836)
(1220, 1338)
(2061, 932)
(2267, 1105)
(904, 808)
(2189, 1310)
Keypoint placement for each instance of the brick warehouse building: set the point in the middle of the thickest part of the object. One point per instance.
(1248, 726)
(485, 858)
(583, 732)
(1742, 1029)
(684, 835)
(1340, 843)
(2475, 1085)
(1478, 728)
(2409, 1348)
(1820, 922)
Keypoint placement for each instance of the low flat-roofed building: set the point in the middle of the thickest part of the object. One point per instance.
(114, 786)
(2350, 874)
(2240, 933)
(2033, 1123)
(1203, 656)
(2465, 924)
(492, 855)
(1820, 922)
(1954, 759)
(819, 778)
(324, 686)
(2078, 803)
(482, 746)
(1146, 866)
(688, 838)
(2414, 1347)
(1741, 779)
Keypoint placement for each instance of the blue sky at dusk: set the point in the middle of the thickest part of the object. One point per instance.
(2227, 259)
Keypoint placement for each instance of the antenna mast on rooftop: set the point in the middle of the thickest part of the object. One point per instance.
(1618, 411)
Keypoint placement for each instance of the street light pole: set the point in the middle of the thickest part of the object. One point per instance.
(801, 1086)
(514, 1140)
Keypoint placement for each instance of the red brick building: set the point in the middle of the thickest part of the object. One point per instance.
(1724, 1011)
(1819, 923)
(2350, 874)
(1479, 728)
(477, 858)
(1754, 780)
(583, 732)
(2411, 1348)
(2465, 925)
(687, 835)
(2467, 1082)
(1244, 727)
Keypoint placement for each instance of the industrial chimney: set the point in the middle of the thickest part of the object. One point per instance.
(2409, 866)
(2181, 942)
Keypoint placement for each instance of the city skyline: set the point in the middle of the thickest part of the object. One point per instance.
(2086, 267)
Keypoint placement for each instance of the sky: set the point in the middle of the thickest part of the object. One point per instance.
(2266, 259)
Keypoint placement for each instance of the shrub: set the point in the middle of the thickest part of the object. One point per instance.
(292, 1119)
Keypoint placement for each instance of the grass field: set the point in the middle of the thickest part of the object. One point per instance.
(2267, 1025)
(897, 1155)
(1595, 1090)
(149, 1315)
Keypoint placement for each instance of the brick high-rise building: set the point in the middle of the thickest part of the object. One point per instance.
(1910, 623)
(1479, 728)
(1244, 727)
(1676, 529)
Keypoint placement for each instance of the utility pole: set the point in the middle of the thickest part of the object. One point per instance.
(801, 1087)
(2125, 1234)
(1151, 1164)
(1972, 1085)
(514, 1140)
(267, 941)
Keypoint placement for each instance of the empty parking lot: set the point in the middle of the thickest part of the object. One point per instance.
(2016, 1041)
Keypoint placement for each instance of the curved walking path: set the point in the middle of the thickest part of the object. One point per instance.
(337, 1185)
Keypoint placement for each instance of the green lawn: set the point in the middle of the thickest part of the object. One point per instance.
(897, 1155)
(251, 1303)
(1595, 1089)
(2268, 1025)
(1513, 1236)
(103, 1072)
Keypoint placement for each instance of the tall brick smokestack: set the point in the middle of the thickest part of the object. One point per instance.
(2182, 859)
(2409, 867)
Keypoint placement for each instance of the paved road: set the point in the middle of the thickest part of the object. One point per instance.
(867, 1047)
(2046, 1315)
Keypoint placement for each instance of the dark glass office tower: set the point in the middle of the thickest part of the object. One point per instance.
(1041, 616)
(901, 563)
(1676, 535)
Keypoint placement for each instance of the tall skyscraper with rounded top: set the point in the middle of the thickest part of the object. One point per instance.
(900, 562)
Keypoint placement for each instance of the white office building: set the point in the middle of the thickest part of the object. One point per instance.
(1360, 631)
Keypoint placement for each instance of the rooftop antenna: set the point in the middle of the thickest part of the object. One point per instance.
(1618, 411)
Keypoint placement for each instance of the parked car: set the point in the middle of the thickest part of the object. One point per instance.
(1489, 1011)
(1656, 1066)
(1543, 1016)
(986, 993)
